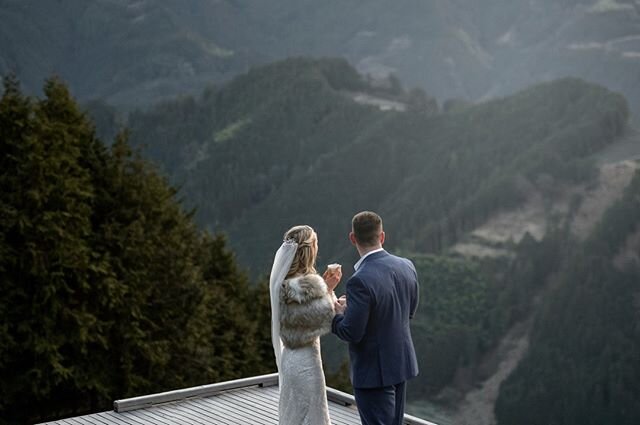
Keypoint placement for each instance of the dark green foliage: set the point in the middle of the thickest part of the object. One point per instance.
(517, 281)
(582, 366)
(451, 325)
(108, 288)
(235, 147)
(284, 144)
(46, 224)
(233, 321)
(259, 309)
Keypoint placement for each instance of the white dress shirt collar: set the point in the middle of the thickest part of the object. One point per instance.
(357, 265)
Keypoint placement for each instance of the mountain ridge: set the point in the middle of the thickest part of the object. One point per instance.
(133, 53)
(328, 128)
(258, 155)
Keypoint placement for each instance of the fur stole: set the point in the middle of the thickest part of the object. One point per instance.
(306, 310)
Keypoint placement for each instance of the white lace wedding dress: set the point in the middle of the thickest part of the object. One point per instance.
(303, 397)
(306, 312)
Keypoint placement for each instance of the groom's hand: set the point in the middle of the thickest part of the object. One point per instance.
(340, 305)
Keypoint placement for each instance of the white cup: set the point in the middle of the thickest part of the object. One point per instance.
(334, 267)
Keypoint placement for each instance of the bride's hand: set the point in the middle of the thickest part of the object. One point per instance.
(332, 278)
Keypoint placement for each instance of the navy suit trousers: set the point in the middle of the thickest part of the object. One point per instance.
(381, 406)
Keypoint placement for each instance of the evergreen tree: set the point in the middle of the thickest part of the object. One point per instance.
(46, 220)
(109, 289)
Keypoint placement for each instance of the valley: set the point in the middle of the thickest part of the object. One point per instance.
(499, 142)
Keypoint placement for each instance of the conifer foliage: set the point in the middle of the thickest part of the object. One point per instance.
(108, 288)
(582, 366)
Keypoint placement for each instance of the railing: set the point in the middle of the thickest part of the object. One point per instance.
(348, 400)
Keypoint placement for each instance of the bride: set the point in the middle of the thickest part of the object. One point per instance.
(301, 311)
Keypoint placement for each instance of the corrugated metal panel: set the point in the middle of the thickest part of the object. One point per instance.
(245, 401)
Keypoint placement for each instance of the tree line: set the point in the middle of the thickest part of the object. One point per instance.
(109, 289)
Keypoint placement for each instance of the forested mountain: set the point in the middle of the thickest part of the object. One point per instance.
(256, 151)
(509, 197)
(256, 156)
(95, 242)
(582, 366)
(132, 52)
(109, 289)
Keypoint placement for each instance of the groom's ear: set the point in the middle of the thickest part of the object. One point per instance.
(352, 238)
(381, 238)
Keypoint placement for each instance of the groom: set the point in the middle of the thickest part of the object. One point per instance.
(382, 295)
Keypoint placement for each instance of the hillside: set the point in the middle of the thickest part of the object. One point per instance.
(134, 52)
(255, 149)
(586, 333)
(524, 177)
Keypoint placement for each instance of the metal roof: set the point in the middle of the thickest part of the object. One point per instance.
(242, 401)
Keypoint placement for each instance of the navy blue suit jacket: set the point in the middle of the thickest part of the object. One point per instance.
(381, 298)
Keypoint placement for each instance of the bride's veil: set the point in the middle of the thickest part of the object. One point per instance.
(281, 265)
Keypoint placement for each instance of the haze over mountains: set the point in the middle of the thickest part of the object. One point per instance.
(132, 52)
(519, 207)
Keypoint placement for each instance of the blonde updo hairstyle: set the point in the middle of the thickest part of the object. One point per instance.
(305, 259)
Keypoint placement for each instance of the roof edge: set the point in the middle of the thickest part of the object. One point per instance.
(268, 380)
(141, 402)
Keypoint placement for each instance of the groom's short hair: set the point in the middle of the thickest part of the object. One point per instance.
(367, 227)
